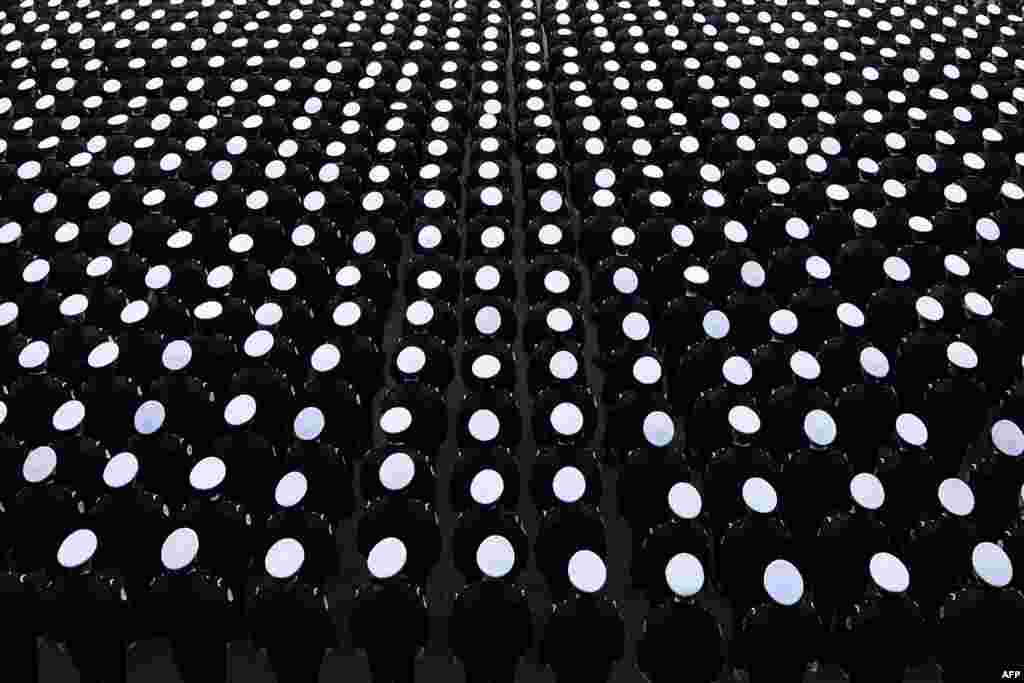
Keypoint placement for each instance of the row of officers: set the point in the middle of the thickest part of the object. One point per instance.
(812, 170)
(84, 363)
(124, 293)
(842, 254)
(199, 122)
(710, 264)
(171, 405)
(909, 499)
(146, 341)
(306, 24)
(737, 70)
(68, 140)
(288, 615)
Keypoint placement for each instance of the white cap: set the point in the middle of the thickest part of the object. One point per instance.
(569, 484)
(977, 304)
(563, 364)
(120, 470)
(682, 236)
(783, 582)
(291, 489)
(559, 320)
(752, 274)
(1015, 258)
(804, 365)
(419, 312)
(817, 267)
(987, 229)
(347, 314)
(159, 277)
(867, 491)
(962, 355)
(716, 324)
(68, 416)
(956, 497)
(920, 224)
(1007, 438)
(387, 558)
(240, 410)
(134, 312)
(659, 429)
(396, 471)
(820, 428)
(874, 362)
(348, 276)
(76, 304)
(737, 370)
(548, 234)
(488, 277)
(283, 279)
(325, 358)
(929, 308)
(8, 312)
(896, 269)
(912, 429)
(567, 419)
(684, 500)
(783, 322)
(587, 571)
(744, 420)
(208, 473)
(486, 487)
(484, 425)
(77, 549)
(636, 326)
(35, 271)
(797, 228)
(992, 565)
(735, 231)
(485, 366)
(684, 575)
(395, 420)
(647, 370)
(696, 275)
(625, 280)
(956, 265)
(556, 282)
(39, 465)
(179, 549)
(850, 315)
(759, 495)
(411, 359)
(284, 558)
(495, 556)
(889, 573)
(488, 320)
(149, 417)
(34, 354)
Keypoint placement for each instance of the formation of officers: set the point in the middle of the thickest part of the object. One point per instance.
(746, 275)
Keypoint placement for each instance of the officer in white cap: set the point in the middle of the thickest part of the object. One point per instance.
(389, 619)
(781, 635)
(975, 621)
(288, 613)
(584, 634)
(491, 625)
(683, 614)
